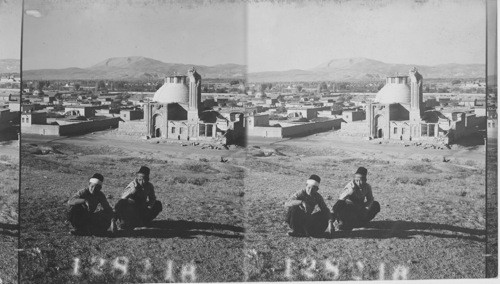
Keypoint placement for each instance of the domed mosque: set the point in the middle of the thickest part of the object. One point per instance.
(176, 112)
(395, 91)
(174, 90)
(398, 112)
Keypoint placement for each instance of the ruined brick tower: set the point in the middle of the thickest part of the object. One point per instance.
(194, 105)
(416, 93)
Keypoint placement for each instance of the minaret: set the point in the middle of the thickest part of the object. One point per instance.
(417, 98)
(194, 95)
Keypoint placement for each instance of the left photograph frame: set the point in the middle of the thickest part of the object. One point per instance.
(132, 174)
(10, 101)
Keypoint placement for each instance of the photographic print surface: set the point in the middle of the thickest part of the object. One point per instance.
(369, 125)
(10, 52)
(132, 156)
(240, 141)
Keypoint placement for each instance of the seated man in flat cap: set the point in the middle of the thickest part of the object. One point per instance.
(138, 205)
(351, 210)
(307, 213)
(83, 214)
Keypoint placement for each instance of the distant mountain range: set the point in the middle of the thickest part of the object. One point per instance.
(10, 66)
(143, 68)
(135, 68)
(361, 69)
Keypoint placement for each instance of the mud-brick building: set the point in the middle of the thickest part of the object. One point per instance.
(80, 110)
(8, 118)
(38, 123)
(398, 112)
(131, 114)
(176, 112)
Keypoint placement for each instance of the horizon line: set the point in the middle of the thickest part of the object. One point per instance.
(246, 65)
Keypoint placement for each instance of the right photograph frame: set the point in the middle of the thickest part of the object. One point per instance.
(367, 141)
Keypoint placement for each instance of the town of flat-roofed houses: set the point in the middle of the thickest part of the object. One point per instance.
(9, 104)
(178, 108)
(403, 107)
(184, 108)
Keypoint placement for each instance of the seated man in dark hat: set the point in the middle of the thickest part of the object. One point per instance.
(138, 205)
(83, 214)
(307, 213)
(351, 210)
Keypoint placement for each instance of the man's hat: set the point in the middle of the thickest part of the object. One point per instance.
(96, 179)
(144, 170)
(314, 180)
(362, 171)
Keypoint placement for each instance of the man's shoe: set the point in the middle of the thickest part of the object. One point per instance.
(341, 226)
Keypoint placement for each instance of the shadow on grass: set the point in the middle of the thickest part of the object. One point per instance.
(184, 229)
(409, 229)
(9, 229)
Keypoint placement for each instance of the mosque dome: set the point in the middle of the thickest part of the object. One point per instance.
(174, 90)
(395, 90)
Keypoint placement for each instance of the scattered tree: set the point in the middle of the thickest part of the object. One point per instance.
(40, 85)
(323, 87)
(101, 85)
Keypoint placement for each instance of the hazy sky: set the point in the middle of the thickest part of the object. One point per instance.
(10, 29)
(81, 33)
(304, 34)
(491, 41)
(277, 35)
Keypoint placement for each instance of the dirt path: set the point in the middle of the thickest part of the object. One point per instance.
(358, 146)
(138, 147)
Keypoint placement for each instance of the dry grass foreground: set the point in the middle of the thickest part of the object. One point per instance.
(492, 208)
(201, 224)
(432, 221)
(9, 193)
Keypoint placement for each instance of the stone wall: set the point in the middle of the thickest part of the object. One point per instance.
(353, 115)
(295, 130)
(274, 132)
(311, 128)
(132, 128)
(88, 126)
(71, 129)
(41, 129)
(358, 128)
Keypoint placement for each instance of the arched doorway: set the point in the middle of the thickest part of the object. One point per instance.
(379, 122)
(157, 125)
(380, 133)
